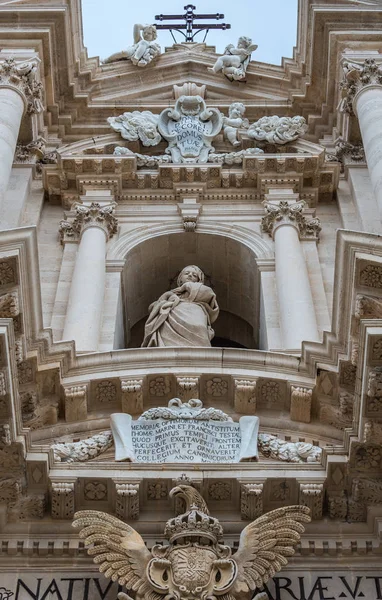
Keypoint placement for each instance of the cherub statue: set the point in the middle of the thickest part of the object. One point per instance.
(234, 122)
(144, 49)
(235, 61)
(195, 564)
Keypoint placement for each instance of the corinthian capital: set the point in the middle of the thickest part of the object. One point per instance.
(22, 78)
(93, 215)
(356, 76)
(284, 212)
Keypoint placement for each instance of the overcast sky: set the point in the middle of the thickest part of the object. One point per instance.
(108, 24)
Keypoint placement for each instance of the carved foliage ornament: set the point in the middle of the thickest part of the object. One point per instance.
(353, 152)
(356, 76)
(89, 216)
(287, 212)
(22, 76)
(195, 564)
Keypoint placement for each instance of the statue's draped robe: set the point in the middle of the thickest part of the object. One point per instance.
(182, 317)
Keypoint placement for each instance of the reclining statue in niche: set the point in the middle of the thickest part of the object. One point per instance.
(144, 49)
(183, 316)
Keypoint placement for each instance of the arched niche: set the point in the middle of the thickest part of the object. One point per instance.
(152, 266)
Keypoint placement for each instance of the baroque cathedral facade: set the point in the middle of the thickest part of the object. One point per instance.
(190, 312)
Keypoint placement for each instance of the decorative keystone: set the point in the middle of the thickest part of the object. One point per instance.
(189, 210)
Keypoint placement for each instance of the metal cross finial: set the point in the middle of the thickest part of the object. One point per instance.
(190, 26)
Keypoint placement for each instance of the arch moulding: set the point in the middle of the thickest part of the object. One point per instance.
(252, 240)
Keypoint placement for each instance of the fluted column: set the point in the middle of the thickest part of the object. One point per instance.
(362, 96)
(94, 223)
(285, 222)
(19, 93)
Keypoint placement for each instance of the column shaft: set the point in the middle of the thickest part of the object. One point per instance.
(297, 313)
(83, 316)
(368, 105)
(11, 111)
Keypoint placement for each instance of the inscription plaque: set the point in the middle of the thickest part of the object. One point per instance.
(184, 433)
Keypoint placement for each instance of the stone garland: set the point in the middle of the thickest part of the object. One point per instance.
(269, 445)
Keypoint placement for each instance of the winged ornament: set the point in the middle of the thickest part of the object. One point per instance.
(195, 565)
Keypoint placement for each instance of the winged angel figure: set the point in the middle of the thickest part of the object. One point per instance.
(195, 565)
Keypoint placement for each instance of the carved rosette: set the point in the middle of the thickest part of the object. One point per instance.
(22, 78)
(94, 215)
(356, 77)
(287, 213)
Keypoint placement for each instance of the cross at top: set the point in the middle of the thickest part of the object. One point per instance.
(190, 26)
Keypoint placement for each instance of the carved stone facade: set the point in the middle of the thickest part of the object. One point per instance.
(235, 206)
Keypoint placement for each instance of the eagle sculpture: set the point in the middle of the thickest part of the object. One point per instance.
(195, 565)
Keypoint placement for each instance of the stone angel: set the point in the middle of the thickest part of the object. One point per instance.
(144, 49)
(234, 122)
(235, 61)
(137, 125)
(195, 565)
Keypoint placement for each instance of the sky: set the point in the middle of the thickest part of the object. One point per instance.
(108, 24)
